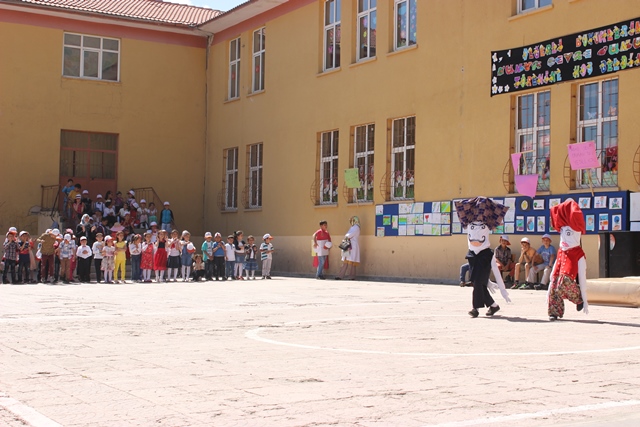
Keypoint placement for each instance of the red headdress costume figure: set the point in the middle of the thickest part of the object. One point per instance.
(569, 274)
(479, 216)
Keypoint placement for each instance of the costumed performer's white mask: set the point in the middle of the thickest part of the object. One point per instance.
(478, 236)
(569, 238)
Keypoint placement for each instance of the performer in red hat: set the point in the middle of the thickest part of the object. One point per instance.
(569, 274)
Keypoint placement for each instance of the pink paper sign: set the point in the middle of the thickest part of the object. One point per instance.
(515, 161)
(527, 184)
(583, 155)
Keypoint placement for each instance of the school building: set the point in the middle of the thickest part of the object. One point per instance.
(279, 114)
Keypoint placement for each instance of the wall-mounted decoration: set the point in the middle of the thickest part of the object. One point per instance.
(590, 53)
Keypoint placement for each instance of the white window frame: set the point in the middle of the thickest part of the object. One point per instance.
(403, 178)
(364, 159)
(259, 55)
(329, 168)
(600, 177)
(234, 68)
(255, 169)
(536, 5)
(367, 10)
(396, 5)
(231, 179)
(84, 50)
(534, 160)
(332, 21)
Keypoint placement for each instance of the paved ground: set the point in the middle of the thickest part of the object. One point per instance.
(301, 352)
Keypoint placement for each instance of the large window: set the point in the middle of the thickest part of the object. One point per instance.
(598, 122)
(234, 68)
(231, 179)
(533, 136)
(91, 57)
(255, 176)
(363, 161)
(405, 13)
(528, 5)
(328, 168)
(403, 149)
(258, 59)
(332, 34)
(367, 23)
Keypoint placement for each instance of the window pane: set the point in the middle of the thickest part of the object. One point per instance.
(110, 66)
(329, 49)
(527, 4)
(363, 31)
(93, 42)
(544, 108)
(525, 112)
(71, 62)
(103, 141)
(74, 139)
(589, 100)
(329, 17)
(544, 3)
(110, 44)
(610, 134)
(610, 98)
(66, 163)
(337, 46)
(72, 39)
(233, 54)
(413, 27)
(109, 165)
(80, 166)
(338, 10)
(401, 24)
(589, 133)
(90, 64)
(372, 34)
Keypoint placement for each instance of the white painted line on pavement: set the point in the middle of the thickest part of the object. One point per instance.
(254, 334)
(55, 318)
(540, 414)
(29, 415)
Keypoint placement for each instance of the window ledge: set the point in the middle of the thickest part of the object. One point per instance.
(333, 205)
(86, 79)
(253, 209)
(403, 50)
(328, 72)
(594, 189)
(363, 62)
(530, 12)
(229, 211)
(256, 93)
(369, 202)
(229, 101)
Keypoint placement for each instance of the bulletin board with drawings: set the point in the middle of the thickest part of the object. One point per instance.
(414, 219)
(603, 211)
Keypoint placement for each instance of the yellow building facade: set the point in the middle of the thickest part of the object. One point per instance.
(311, 113)
(248, 120)
(135, 118)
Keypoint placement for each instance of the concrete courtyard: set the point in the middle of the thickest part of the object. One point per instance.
(302, 352)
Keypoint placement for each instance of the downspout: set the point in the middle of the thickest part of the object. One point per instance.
(205, 210)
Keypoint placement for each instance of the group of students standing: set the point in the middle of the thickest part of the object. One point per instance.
(168, 255)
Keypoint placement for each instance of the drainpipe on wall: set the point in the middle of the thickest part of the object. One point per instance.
(205, 209)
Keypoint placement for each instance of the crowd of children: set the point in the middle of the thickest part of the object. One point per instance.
(55, 256)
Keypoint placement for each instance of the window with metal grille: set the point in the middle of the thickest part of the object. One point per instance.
(533, 118)
(231, 179)
(363, 146)
(255, 176)
(403, 147)
(328, 178)
(598, 122)
(259, 52)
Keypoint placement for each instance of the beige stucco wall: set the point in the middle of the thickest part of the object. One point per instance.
(157, 109)
(463, 135)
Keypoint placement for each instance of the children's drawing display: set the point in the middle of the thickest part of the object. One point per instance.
(603, 211)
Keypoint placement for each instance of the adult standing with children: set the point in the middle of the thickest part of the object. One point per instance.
(322, 245)
(351, 256)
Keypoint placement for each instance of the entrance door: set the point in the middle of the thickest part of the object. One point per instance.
(90, 159)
